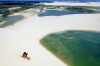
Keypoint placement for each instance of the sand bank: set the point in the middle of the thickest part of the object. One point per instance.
(25, 36)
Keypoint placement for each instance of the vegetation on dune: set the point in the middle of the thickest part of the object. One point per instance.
(1, 20)
(73, 8)
(7, 12)
(80, 9)
(80, 49)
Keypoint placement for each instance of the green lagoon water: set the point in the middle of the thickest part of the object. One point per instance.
(75, 48)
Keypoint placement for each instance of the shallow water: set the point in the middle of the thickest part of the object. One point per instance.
(11, 20)
(75, 48)
(59, 13)
(68, 10)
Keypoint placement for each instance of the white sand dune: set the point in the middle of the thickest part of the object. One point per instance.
(74, 3)
(25, 36)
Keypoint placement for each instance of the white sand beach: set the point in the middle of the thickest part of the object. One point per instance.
(74, 3)
(24, 36)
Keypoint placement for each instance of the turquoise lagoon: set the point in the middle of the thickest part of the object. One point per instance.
(74, 47)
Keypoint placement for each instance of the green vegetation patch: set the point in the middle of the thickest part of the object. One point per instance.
(88, 9)
(75, 48)
(80, 9)
(8, 12)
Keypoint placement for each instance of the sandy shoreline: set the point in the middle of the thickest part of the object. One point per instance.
(31, 30)
(25, 36)
(19, 16)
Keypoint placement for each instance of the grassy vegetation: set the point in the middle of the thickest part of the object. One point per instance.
(73, 8)
(82, 50)
(1, 20)
(77, 9)
(7, 12)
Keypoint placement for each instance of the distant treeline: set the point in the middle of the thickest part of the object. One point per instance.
(15, 3)
(20, 2)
